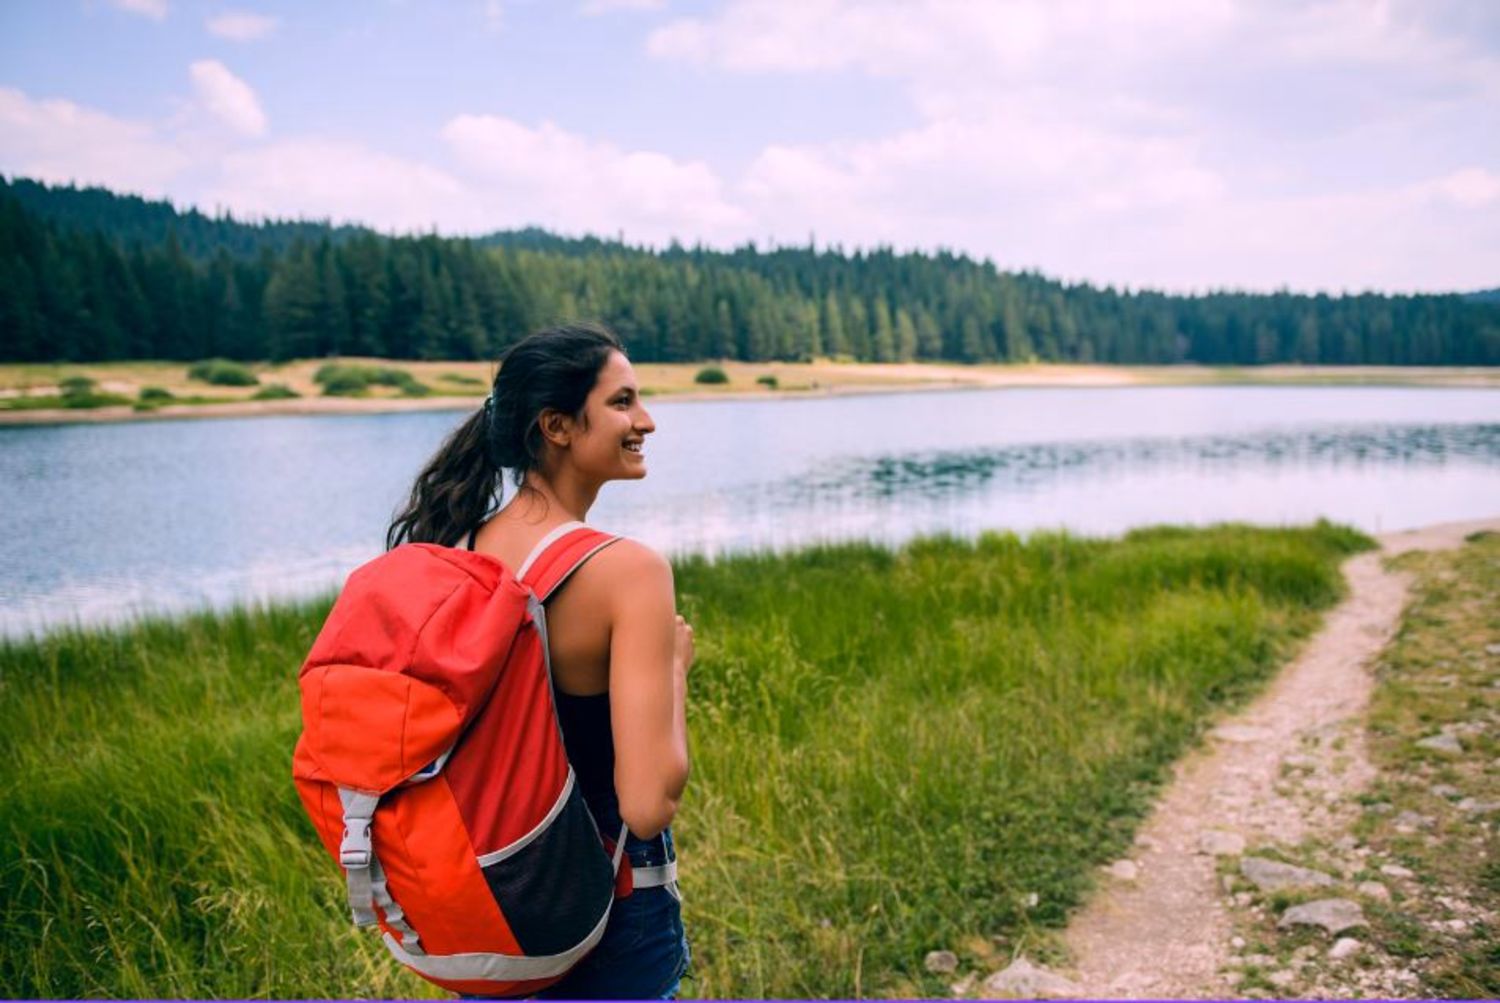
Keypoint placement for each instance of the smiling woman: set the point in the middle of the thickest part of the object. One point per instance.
(565, 416)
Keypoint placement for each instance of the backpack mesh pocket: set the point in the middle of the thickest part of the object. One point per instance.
(556, 888)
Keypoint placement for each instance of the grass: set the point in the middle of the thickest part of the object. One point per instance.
(894, 750)
(1442, 673)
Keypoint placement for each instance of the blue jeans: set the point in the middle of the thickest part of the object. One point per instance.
(644, 951)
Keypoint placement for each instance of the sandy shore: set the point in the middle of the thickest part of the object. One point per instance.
(799, 381)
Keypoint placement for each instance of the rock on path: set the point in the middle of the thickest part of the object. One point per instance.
(1167, 934)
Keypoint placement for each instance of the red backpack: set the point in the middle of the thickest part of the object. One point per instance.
(432, 765)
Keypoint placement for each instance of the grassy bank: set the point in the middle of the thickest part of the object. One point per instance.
(893, 751)
(29, 391)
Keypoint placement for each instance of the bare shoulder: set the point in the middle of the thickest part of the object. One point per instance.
(630, 562)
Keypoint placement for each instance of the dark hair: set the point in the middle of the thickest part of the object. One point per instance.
(551, 369)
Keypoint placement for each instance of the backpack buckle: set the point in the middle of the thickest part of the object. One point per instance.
(355, 849)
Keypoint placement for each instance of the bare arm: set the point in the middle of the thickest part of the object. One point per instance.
(650, 652)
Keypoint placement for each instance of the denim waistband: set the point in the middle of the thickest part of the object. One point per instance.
(651, 852)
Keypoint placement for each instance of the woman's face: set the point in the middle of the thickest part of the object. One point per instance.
(609, 444)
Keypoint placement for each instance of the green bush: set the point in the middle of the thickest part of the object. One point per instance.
(462, 380)
(711, 374)
(155, 395)
(81, 392)
(274, 392)
(339, 380)
(76, 386)
(222, 373)
(344, 382)
(768, 381)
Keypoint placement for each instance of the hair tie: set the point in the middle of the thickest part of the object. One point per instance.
(489, 404)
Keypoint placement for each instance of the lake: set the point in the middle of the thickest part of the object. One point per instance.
(110, 520)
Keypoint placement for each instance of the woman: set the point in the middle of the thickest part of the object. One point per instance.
(565, 416)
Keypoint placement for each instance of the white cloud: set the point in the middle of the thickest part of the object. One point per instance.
(242, 26)
(1184, 144)
(154, 9)
(61, 142)
(550, 176)
(494, 15)
(341, 181)
(594, 8)
(227, 97)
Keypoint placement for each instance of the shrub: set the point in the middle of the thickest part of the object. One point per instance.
(82, 392)
(768, 381)
(342, 381)
(155, 395)
(711, 374)
(462, 380)
(222, 373)
(76, 386)
(348, 381)
(274, 392)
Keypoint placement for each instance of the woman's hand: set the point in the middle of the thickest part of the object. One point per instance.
(682, 646)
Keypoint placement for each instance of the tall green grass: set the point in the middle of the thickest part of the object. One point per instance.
(892, 750)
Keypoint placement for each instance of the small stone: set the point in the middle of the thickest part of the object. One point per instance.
(1238, 943)
(1145, 842)
(1233, 978)
(1243, 899)
(1396, 871)
(1032, 900)
(1380, 808)
(941, 962)
(1492, 649)
(1022, 978)
(1344, 947)
(1217, 843)
(1444, 791)
(1441, 743)
(1374, 890)
(1281, 979)
(1240, 734)
(1347, 843)
(1226, 881)
(1409, 821)
(1473, 806)
(1301, 762)
(1333, 915)
(964, 986)
(1123, 870)
(1270, 875)
(1259, 960)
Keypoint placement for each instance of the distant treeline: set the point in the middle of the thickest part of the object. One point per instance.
(88, 275)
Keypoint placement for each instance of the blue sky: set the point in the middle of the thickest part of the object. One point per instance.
(1181, 144)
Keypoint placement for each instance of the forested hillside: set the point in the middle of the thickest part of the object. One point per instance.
(88, 275)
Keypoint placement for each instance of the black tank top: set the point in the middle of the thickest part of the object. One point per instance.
(589, 739)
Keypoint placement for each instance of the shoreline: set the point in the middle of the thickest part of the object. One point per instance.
(864, 379)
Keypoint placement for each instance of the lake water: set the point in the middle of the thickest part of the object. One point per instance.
(107, 521)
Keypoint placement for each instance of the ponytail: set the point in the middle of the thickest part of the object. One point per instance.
(453, 492)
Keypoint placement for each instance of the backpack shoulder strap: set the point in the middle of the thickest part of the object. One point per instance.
(558, 554)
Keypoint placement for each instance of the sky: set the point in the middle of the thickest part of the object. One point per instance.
(1186, 145)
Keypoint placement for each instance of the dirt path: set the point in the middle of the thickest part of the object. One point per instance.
(1166, 933)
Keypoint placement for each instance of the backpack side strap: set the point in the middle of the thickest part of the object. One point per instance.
(365, 876)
